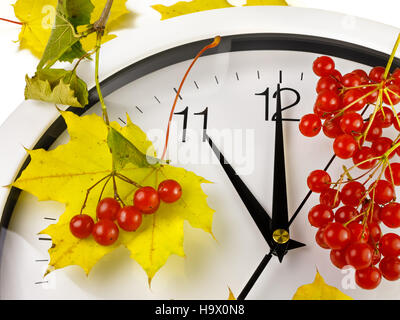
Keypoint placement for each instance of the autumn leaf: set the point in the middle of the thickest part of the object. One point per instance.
(65, 173)
(231, 295)
(181, 8)
(319, 290)
(57, 86)
(38, 17)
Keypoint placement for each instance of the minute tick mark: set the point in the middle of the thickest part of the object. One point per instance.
(139, 109)
(176, 92)
(157, 99)
(197, 86)
(216, 79)
(122, 121)
(237, 76)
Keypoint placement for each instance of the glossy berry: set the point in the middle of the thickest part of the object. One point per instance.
(318, 181)
(361, 157)
(374, 131)
(337, 75)
(376, 74)
(351, 80)
(129, 218)
(392, 95)
(169, 191)
(371, 94)
(81, 226)
(323, 66)
(375, 232)
(390, 268)
(352, 122)
(362, 74)
(310, 125)
(384, 117)
(389, 245)
(368, 278)
(345, 146)
(330, 198)
(359, 232)
(376, 257)
(338, 258)
(352, 193)
(327, 83)
(392, 173)
(319, 238)
(147, 200)
(390, 215)
(372, 211)
(320, 215)
(359, 255)
(352, 100)
(337, 236)
(331, 127)
(384, 192)
(328, 101)
(107, 209)
(345, 214)
(381, 145)
(105, 232)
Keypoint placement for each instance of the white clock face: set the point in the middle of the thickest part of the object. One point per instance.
(233, 95)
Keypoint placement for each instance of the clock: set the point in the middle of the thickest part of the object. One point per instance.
(236, 124)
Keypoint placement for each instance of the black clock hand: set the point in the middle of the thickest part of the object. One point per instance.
(256, 210)
(280, 216)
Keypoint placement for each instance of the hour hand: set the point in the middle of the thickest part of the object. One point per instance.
(256, 210)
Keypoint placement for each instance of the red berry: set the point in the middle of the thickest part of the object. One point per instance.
(359, 255)
(391, 97)
(338, 258)
(374, 131)
(328, 101)
(105, 232)
(359, 232)
(390, 215)
(368, 278)
(170, 191)
(381, 145)
(318, 181)
(376, 257)
(327, 83)
(345, 146)
(373, 94)
(320, 215)
(392, 171)
(319, 238)
(352, 100)
(107, 209)
(310, 125)
(323, 66)
(361, 157)
(396, 121)
(352, 193)
(384, 192)
(337, 236)
(337, 75)
(384, 117)
(81, 226)
(368, 209)
(376, 74)
(389, 245)
(147, 200)
(129, 218)
(345, 214)
(328, 196)
(390, 267)
(331, 127)
(352, 122)
(351, 80)
(374, 231)
(362, 74)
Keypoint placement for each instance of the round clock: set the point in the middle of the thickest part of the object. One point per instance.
(238, 110)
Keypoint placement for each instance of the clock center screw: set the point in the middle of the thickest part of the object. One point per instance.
(280, 236)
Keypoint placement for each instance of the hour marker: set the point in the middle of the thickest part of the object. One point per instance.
(157, 99)
(139, 109)
(301, 77)
(42, 260)
(195, 83)
(216, 79)
(41, 282)
(237, 76)
(258, 74)
(176, 91)
(280, 76)
(45, 239)
(52, 219)
(122, 121)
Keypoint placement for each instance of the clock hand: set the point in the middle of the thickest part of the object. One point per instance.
(257, 212)
(280, 216)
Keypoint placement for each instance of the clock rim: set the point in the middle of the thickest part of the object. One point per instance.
(9, 199)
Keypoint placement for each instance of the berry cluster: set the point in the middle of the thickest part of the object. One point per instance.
(105, 231)
(353, 232)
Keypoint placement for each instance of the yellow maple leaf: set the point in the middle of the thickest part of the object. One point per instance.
(319, 290)
(37, 17)
(181, 8)
(65, 173)
(231, 295)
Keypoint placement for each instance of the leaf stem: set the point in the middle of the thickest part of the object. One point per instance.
(103, 105)
(389, 64)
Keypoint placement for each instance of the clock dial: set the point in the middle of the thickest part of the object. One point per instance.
(231, 95)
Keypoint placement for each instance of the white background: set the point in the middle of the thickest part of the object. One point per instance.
(14, 64)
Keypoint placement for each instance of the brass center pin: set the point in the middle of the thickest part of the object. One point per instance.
(280, 236)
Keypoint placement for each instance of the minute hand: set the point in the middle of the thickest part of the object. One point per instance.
(280, 217)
